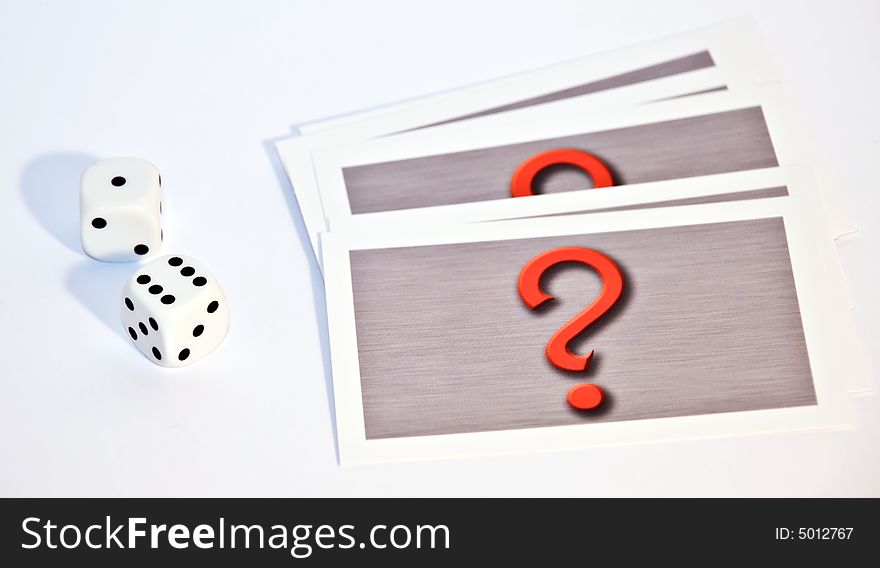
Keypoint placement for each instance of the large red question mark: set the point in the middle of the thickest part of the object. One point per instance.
(583, 396)
(524, 176)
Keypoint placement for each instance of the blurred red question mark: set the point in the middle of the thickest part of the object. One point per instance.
(524, 176)
(583, 396)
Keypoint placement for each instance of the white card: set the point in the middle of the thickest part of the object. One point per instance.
(734, 311)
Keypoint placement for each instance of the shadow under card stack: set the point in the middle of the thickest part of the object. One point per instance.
(664, 196)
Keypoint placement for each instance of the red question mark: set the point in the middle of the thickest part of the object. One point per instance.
(583, 396)
(521, 181)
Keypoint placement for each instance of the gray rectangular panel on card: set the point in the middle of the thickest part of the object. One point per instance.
(709, 322)
(730, 141)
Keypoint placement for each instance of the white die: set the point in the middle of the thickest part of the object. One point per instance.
(120, 203)
(174, 310)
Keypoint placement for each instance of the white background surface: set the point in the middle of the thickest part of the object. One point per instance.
(202, 89)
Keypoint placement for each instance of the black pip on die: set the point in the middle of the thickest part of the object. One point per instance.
(174, 311)
(120, 209)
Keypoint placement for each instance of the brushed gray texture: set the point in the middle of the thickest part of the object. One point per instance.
(700, 92)
(699, 200)
(693, 62)
(709, 322)
(711, 144)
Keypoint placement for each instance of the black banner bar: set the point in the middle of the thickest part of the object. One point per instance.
(406, 532)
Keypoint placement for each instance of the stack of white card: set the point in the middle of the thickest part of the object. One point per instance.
(735, 315)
